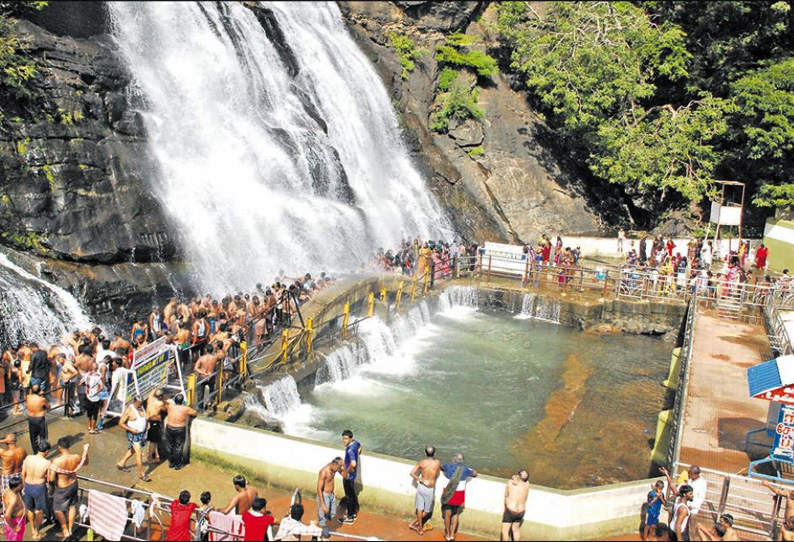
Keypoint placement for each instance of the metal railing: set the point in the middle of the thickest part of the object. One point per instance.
(682, 389)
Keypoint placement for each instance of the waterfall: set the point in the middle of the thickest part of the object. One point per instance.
(458, 296)
(339, 365)
(540, 308)
(281, 397)
(33, 309)
(275, 141)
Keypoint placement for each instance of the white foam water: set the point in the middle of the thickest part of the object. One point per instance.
(34, 309)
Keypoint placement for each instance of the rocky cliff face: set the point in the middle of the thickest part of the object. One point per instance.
(517, 188)
(74, 175)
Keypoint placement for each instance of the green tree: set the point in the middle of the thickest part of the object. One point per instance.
(16, 70)
(762, 139)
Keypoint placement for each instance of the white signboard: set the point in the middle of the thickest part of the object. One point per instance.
(505, 259)
(725, 216)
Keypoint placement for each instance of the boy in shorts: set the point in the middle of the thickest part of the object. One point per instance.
(655, 502)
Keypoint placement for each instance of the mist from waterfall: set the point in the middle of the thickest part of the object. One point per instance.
(276, 142)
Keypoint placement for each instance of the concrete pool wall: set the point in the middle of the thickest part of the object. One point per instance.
(292, 462)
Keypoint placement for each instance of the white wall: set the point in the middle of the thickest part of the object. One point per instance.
(608, 246)
(556, 509)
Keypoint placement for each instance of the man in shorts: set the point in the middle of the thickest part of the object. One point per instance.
(516, 494)
(34, 477)
(453, 499)
(425, 473)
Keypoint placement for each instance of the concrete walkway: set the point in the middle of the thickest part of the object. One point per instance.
(110, 445)
(719, 411)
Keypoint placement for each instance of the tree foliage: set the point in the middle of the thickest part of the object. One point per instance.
(408, 52)
(460, 102)
(664, 96)
(16, 70)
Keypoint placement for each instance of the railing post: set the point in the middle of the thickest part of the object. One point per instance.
(526, 274)
(371, 306)
(383, 295)
(581, 278)
(284, 345)
(726, 486)
(427, 281)
(191, 390)
(219, 386)
(309, 334)
(606, 284)
(244, 359)
(399, 297)
(345, 320)
(488, 278)
(414, 281)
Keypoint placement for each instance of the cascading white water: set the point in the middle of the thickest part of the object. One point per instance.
(33, 309)
(339, 365)
(275, 152)
(281, 396)
(458, 296)
(540, 308)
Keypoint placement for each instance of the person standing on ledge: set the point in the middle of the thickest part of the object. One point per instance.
(353, 450)
(516, 494)
(453, 499)
(426, 473)
(37, 407)
(178, 416)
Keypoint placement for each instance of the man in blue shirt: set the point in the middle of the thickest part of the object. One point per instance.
(349, 474)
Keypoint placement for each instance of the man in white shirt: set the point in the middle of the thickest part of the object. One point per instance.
(698, 484)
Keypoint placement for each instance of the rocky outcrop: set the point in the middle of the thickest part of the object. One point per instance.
(74, 182)
(503, 166)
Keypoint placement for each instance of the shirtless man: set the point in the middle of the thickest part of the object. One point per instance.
(241, 502)
(34, 476)
(82, 363)
(178, 416)
(63, 473)
(37, 407)
(787, 529)
(155, 408)
(69, 377)
(516, 493)
(13, 457)
(169, 311)
(788, 495)
(182, 339)
(326, 499)
(204, 367)
(14, 507)
(120, 345)
(425, 473)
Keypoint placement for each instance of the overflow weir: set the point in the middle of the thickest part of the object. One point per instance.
(326, 350)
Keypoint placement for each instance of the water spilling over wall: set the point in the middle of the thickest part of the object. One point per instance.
(281, 396)
(458, 296)
(276, 141)
(540, 308)
(33, 309)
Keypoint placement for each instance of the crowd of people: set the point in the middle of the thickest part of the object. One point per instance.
(435, 259)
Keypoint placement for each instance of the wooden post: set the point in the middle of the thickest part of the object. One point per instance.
(309, 334)
(346, 320)
(399, 297)
(371, 306)
(488, 279)
(191, 390)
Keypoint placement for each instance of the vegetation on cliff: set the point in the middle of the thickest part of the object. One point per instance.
(664, 97)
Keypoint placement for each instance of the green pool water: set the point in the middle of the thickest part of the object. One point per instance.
(575, 409)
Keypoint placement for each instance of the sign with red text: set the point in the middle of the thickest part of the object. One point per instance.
(783, 449)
